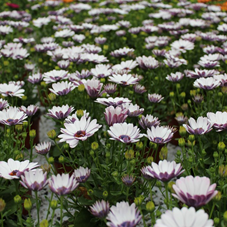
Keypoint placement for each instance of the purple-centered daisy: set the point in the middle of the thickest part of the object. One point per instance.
(159, 134)
(30, 110)
(93, 87)
(113, 101)
(199, 127)
(123, 215)
(62, 88)
(54, 75)
(148, 121)
(219, 120)
(155, 98)
(82, 174)
(184, 217)
(34, 180)
(62, 184)
(60, 112)
(194, 191)
(100, 209)
(125, 133)
(11, 90)
(163, 171)
(43, 148)
(3, 104)
(79, 130)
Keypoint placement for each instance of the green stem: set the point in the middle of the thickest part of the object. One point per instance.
(61, 217)
(37, 205)
(212, 209)
(48, 210)
(167, 195)
(2, 218)
(52, 218)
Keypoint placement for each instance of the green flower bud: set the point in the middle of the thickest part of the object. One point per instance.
(158, 184)
(138, 200)
(114, 174)
(158, 213)
(177, 85)
(25, 124)
(81, 88)
(90, 192)
(94, 146)
(182, 94)
(52, 96)
(50, 160)
(221, 146)
(192, 92)
(171, 94)
(182, 131)
(181, 142)
(61, 159)
(150, 159)
(191, 138)
(225, 216)
(52, 134)
(216, 221)
(170, 186)
(184, 107)
(163, 153)
(44, 223)
(218, 196)
(107, 154)
(2, 204)
(139, 145)
(66, 146)
(190, 159)
(53, 204)
(178, 153)
(92, 153)
(212, 169)
(150, 207)
(32, 133)
(43, 84)
(24, 97)
(105, 194)
(220, 94)
(18, 128)
(24, 134)
(79, 113)
(27, 204)
(17, 199)
(203, 153)
(129, 154)
(215, 155)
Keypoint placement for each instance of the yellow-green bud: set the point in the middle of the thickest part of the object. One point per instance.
(2, 205)
(52, 96)
(102, 80)
(138, 154)
(17, 199)
(90, 192)
(53, 204)
(138, 200)
(158, 213)
(94, 146)
(92, 153)
(181, 142)
(81, 88)
(24, 134)
(170, 186)
(114, 174)
(32, 133)
(182, 131)
(150, 159)
(79, 113)
(156, 78)
(184, 106)
(25, 124)
(163, 153)
(150, 207)
(52, 134)
(50, 160)
(182, 94)
(191, 138)
(158, 184)
(129, 154)
(192, 92)
(177, 85)
(139, 145)
(19, 128)
(203, 153)
(225, 216)
(66, 146)
(61, 159)
(190, 159)
(44, 223)
(215, 155)
(107, 154)
(221, 146)
(218, 196)
(171, 94)
(178, 153)
(105, 194)
(191, 144)
(27, 204)
(43, 84)
(216, 221)
(24, 97)
(222, 170)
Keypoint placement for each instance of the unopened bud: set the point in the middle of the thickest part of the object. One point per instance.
(32, 133)
(17, 199)
(181, 142)
(51, 96)
(139, 145)
(94, 146)
(54, 204)
(216, 221)
(150, 159)
(225, 216)
(52, 134)
(27, 204)
(215, 155)
(129, 154)
(44, 223)
(2, 205)
(150, 207)
(61, 159)
(138, 200)
(221, 146)
(182, 131)
(105, 194)
(163, 153)
(170, 186)
(81, 88)
(50, 160)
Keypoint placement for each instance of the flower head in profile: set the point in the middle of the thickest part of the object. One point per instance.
(128, 180)
(123, 215)
(34, 180)
(125, 79)
(100, 209)
(62, 88)
(125, 133)
(184, 217)
(207, 83)
(13, 169)
(148, 121)
(93, 87)
(30, 110)
(60, 112)
(115, 115)
(175, 77)
(12, 116)
(101, 71)
(155, 98)
(12, 90)
(194, 191)
(219, 120)
(159, 134)
(163, 171)
(113, 101)
(133, 110)
(82, 174)
(54, 75)
(43, 148)
(199, 127)
(79, 130)
(62, 184)
(35, 78)
(110, 88)
(3, 104)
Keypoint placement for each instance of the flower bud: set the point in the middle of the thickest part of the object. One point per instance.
(181, 142)
(225, 216)
(203, 153)
(61, 159)
(171, 94)
(105, 194)
(24, 134)
(139, 145)
(184, 107)
(190, 159)
(50, 160)
(192, 92)
(44, 223)
(27, 204)
(25, 124)
(108, 154)
(158, 213)
(81, 88)
(150, 159)
(191, 138)
(2, 205)
(215, 155)
(138, 200)
(182, 94)
(150, 207)
(158, 184)
(32, 133)
(129, 154)
(17, 199)
(94, 146)
(45, 167)
(182, 131)
(221, 146)
(170, 186)
(178, 153)
(92, 153)
(163, 153)
(79, 113)
(177, 85)
(54, 204)
(18, 128)
(102, 80)
(218, 196)
(52, 134)
(114, 174)
(52, 96)
(216, 221)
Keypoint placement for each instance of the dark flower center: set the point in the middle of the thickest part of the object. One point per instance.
(9, 120)
(80, 133)
(13, 173)
(158, 140)
(9, 92)
(125, 138)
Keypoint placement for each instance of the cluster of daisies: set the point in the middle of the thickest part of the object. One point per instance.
(119, 62)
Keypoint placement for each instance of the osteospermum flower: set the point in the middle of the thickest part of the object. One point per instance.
(93, 87)
(54, 75)
(182, 45)
(14, 169)
(79, 130)
(62, 88)
(62, 184)
(113, 101)
(184, 217)
(194, 191)
(207, 83)
(123, 214)
(125, 133)
(159, 134)
(35, 78)
(11, 90)
(100, 209)
(133, 110)
(148, 121)
(125, 79)
(155, 98)
(115, 115)
(34, 180)
(30, 110)
(60, 112)
(201, 126)
(82, 174)
(12, 116)
(43, 148)
(163, 171)
(3, 104)
(175, 77)
(219, 120)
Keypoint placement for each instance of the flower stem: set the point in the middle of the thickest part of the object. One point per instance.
(61, 218)
(167, 195)
(37, 205)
